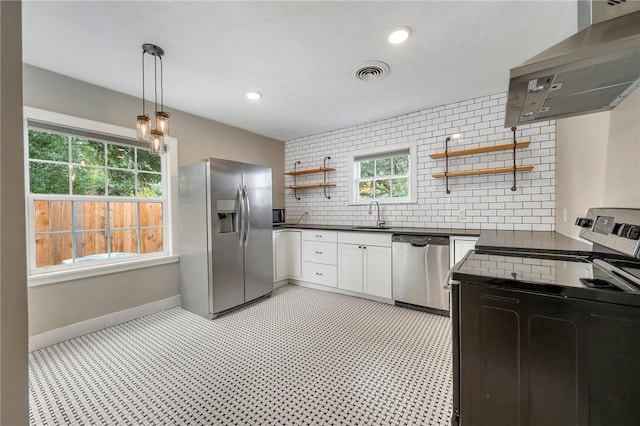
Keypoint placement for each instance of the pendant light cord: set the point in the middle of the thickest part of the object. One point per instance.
(143, 82)
(155, 85)
(161, 87)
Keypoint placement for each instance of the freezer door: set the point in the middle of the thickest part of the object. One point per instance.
(227, 268)
(193, 239)
(258, 250)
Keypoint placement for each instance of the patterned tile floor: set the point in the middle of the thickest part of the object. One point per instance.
(302, 356)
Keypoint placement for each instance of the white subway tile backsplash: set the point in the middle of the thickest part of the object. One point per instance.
(487, 200)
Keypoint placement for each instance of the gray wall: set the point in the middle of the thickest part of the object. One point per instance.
(597, 161)
(13, 282)
(57, 305)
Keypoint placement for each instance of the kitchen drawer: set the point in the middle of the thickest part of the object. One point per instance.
(327, 236)
(365, 238)
(320, 252)
(320, 274)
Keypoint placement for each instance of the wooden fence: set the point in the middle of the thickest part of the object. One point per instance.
(130, 223)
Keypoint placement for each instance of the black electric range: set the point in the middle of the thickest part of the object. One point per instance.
(598, 277)
(550, 338)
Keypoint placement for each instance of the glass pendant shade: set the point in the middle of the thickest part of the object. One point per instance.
(162, 121)
(157, 142)
(143, 127)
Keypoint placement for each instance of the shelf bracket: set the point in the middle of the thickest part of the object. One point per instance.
(446, 164)
(324, 176)
(513, 129)
(295, 191)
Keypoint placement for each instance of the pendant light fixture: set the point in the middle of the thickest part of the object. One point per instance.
(145, 130)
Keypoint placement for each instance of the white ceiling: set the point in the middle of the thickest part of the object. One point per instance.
(298, 54)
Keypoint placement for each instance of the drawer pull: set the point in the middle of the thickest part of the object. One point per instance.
(318, 236)
(318, 273)
(318, 252)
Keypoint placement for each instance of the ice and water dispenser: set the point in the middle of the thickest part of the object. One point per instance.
(227, 216)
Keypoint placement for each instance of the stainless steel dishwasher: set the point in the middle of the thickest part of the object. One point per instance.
(420, 264)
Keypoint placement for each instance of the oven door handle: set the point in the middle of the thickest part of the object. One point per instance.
(447, 281)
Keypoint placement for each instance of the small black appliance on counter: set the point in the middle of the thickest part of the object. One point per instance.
(278, 216)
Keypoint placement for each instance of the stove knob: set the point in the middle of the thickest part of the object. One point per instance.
(622, 230)
(633, 233)
(584, 222)
(617, 229)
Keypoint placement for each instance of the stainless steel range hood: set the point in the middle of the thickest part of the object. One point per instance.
(591, 71)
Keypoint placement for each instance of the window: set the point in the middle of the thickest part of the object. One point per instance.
(385, 176)
(92, 198)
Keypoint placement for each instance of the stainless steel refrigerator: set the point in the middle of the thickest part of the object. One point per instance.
(224, 235)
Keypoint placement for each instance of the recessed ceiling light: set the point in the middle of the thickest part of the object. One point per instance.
(253, 95)
(399, 35)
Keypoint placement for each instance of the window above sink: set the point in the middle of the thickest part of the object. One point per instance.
(384, 174)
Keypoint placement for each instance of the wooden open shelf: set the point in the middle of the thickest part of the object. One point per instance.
(310, 171)
(470, 151)
(483, 172)
(480, 150)
(310, 185)
(324, 184)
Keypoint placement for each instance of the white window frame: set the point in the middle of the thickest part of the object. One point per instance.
(382, 151)
(58, 273)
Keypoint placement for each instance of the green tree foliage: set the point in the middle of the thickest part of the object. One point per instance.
(48, 146)
(48, 178)
(384, 178)
(93, 167)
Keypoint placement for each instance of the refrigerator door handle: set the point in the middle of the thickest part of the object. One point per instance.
(248, 213)
(241, 202)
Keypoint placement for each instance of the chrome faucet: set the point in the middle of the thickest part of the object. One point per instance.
(379, 222)
(301, 216)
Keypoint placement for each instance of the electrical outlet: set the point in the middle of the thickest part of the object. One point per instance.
(462, 214)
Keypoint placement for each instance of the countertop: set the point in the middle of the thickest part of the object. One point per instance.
(532, 241)
(388, 230)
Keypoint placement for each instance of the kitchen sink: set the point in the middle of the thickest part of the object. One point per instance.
(371, 227)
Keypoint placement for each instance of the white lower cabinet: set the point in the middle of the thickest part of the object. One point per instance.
(350, 270)
(287, 249)
(364, 263)
(377, 271)
(459, 246)
(319, 257)
(319, 274)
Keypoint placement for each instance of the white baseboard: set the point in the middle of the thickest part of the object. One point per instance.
(341, 291)
(280, 283)
(94, 324)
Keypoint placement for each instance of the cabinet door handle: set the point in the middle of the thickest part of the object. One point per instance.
(318, 252)
(318, 273)
(359, 246)
(364, 247)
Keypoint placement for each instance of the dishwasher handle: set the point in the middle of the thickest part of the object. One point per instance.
(420, 240)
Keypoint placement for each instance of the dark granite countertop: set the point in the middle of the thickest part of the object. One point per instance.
(531, 241)
(388, 230)
(509, 241)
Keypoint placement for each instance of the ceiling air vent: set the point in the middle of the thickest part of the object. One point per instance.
(370, 71)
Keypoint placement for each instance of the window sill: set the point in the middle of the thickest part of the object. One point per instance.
(94, 271)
